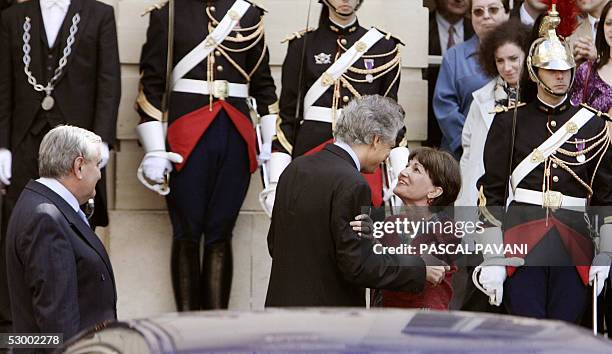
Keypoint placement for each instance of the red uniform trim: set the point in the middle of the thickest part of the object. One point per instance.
(373, 179)
(530, 233)
(185, 132)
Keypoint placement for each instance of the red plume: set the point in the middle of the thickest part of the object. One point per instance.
(568, 12)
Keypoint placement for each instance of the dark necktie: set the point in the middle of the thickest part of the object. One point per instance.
(451, 37)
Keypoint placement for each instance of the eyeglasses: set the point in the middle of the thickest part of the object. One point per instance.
(491, 10)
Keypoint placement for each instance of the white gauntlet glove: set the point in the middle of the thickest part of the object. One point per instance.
(6, 160)
(275, 167)
(156, 165)
(489, 277)
(600, 268)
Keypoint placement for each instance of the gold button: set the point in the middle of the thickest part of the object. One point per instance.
(217, 53)
(343, 41)
(345, 99)
(555, 165)
(555, 179)
(553, 123)
(212, 8)
(219, 68)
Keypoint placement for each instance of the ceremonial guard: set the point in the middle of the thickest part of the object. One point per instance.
(323, 70)
(59, 65)
(558, 162)
(218, 59)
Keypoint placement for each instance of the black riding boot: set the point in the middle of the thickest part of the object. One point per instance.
(185, 267)
(217, 275)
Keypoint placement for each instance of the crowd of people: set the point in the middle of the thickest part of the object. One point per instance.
(519, 132)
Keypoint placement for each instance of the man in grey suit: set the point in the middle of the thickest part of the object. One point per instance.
(59, 274)
(317, 258)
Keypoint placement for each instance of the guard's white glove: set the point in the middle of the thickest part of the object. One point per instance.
(104, 154)
(156, 165)
(266, 129)
(492, 280)
(600, 268)
(155, 168)
(489, 277)
(6, 161)
(274, 167)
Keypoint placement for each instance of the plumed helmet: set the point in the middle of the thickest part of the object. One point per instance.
(549, 51)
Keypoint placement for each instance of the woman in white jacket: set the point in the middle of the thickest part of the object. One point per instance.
(501, 56)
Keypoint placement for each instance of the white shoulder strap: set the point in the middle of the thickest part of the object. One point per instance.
(218, 35)
(548, 147)
(341, 65)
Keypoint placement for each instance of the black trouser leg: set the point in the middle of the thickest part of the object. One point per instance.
(217, 275)
(185, 267)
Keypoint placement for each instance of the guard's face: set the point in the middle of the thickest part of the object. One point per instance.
(509, 61)
(414, 186)
(345, 7)
(589, 5)
(455, 7)
(539, 5)
(557, 80)
(486, 15)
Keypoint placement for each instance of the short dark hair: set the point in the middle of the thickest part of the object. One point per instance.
(603, 49)
(505, 3)
(512, 31)
(443, 170)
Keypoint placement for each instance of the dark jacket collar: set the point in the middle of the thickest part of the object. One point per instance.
(340, 152)
(564, 106)
(329, 25)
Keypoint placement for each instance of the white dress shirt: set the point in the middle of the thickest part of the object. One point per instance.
(526, 18)
(53, 13)
(443, 27)
(63, 192)
(346, 147)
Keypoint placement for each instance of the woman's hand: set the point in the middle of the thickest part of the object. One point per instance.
(435, 274)
(363, 226)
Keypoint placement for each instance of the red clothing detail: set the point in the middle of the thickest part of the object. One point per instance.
(530, 233)
(186, 131)
(432, 297)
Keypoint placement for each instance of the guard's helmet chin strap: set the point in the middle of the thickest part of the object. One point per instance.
(332, 7)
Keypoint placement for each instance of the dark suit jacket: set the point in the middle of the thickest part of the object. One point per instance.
(59, 274)
(317, 259)
(86, 94)
(434, 135)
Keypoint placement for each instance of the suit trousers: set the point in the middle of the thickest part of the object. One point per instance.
(207, 193)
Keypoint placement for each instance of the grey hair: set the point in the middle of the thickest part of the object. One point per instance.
(61, 146)
(369, 116)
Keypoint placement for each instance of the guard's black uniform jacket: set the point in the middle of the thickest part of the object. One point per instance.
(192, 25)
(323, 46)
(535, 123)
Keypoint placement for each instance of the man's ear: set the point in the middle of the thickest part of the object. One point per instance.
(77, 167)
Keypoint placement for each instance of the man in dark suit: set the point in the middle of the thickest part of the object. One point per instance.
(448, 18)
(317, 258)
(74, 78)
(60, 277)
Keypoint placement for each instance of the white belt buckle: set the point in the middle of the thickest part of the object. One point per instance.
(552, 199)
(220, 89)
